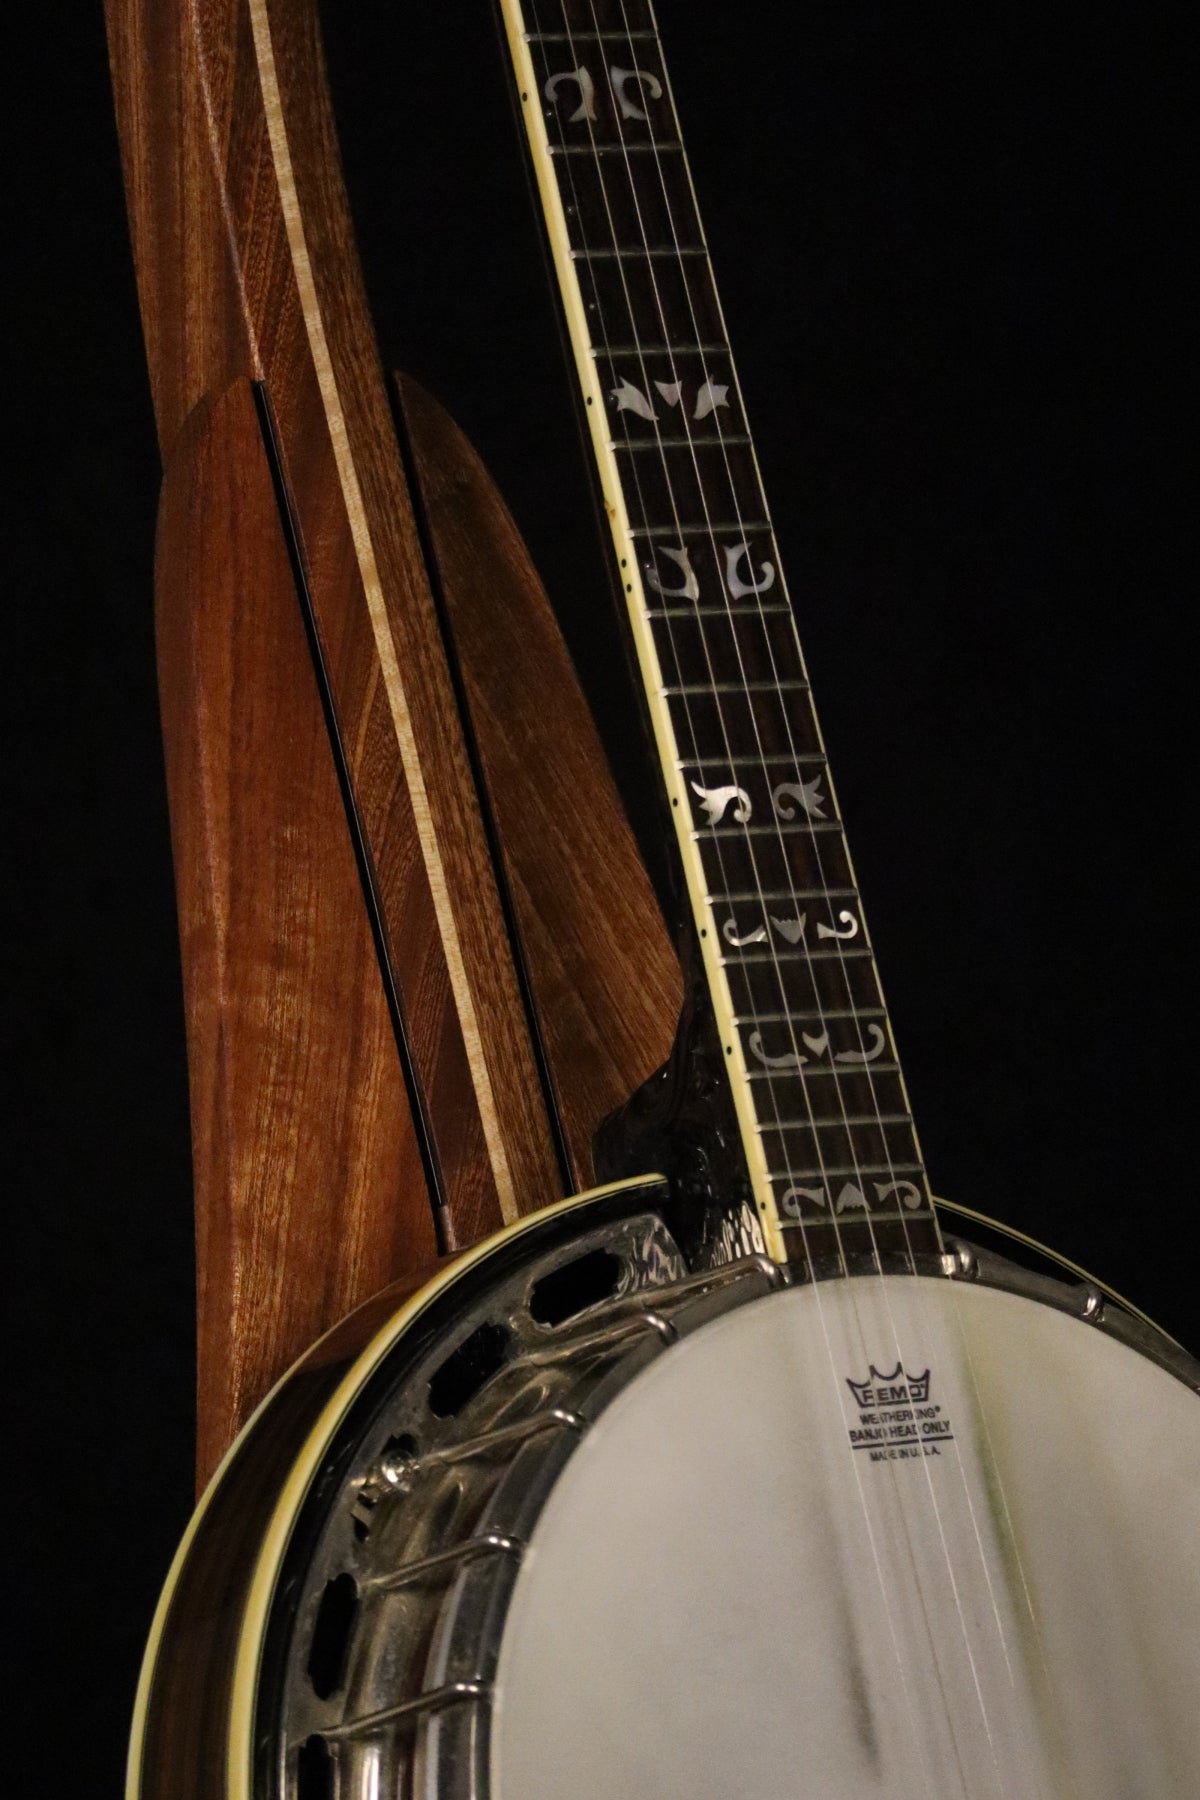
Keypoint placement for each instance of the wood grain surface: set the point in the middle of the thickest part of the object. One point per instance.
(335, 1147)
(602, 972)
(309, 1181)
(246, 267)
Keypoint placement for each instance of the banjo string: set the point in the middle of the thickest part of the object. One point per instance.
(641, 357)
(981, 1409)
(823, 882)
(640, 353)
(868, 1069)
(781, 981)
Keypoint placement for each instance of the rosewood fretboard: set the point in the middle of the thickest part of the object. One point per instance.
(830, 1143)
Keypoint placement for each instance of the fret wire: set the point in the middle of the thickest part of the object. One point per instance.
(819, 1013)
(590, 37)
(720, 612)
(887, 1168)
(613, 352)
(870, 1214)
(709, 442)
(840, 893)
(808, 757)
(736, 687)
(805, 956)
(710, 832)
(706, 530)
(613, 149)
(836, 953)
(650, 250)
(807, 1073)
(852, 1121)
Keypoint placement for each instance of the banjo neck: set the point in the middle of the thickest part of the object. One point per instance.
(828, 1136)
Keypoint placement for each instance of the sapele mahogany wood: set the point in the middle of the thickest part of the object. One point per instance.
(602, 971)
(246, 267)
(309, 1180)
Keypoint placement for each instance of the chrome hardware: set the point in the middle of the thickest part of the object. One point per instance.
(431, 1515)
(410, 1553)
(500, 1439)
(1092, 1307)
(960, 1261)
(491, 1543)
(431, 1701)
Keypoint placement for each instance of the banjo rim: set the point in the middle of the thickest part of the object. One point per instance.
(304, 1468)
(633, 1194)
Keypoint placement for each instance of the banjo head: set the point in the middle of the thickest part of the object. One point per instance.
(892, 1536)
(710, 1534)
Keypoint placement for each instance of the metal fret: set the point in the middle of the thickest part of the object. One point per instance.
(719, 612)
(830, 1174)
(718, 529)
(858, 954)
(737, 832)
(619, 149)
(590, 37)
(611, 351)
(707, 442)
(785, 759)
(769, 958)
(820, 1013)
(810, 1070)
(735, 687)
(821, 893)
(860, 1215)
(835, 1124)
(639, 250)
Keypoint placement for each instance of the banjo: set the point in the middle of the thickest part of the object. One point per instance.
(734, 1475)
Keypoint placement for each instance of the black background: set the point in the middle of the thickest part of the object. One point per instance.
(946, 241)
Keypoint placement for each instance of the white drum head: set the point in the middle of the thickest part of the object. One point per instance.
(888, 1537)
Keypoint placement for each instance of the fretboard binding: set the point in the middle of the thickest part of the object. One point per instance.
(830, 1174)
(650, 250)
(617, 149)
(809, 1070)
(820, 1014)
(735, 687)
(739, 527)
(615, 350)
(723, 612)
(835, 1124)
(788, 956)
(709, 442)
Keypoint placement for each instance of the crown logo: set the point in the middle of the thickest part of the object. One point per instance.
(890, 1390)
